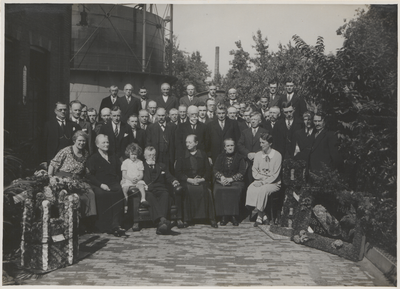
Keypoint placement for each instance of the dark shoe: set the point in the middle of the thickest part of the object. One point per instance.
(180, 225)
(116, 233)
(186, 224)
(162, 229)
(121, 231)
(223, 221)
(214, 224)
(234, 221)
(266, 222)
(256, 224)
(144, 204)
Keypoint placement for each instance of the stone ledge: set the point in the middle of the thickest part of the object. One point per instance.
(382, 262)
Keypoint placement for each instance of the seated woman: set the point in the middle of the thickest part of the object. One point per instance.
(194, 173)
(229, 170)
(71, 162)
(266, 170)
(105, 181)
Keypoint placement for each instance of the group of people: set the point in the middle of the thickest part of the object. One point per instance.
(213, 147)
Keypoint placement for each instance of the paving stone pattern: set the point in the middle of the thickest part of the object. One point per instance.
(204, 256)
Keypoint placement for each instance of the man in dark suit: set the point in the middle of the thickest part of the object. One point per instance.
(232, 95)
(75, 108)
(285, 128)
(58, 132)
(247, 120)
(110, 100)
(138, 135)
(264, 106)
(128, 103)
(190, 98)
(274, 98)
(144, 100)
(193, 126)
(161, 136)
(152, 108)
(212, 94)
(144, 119)
(274, 115)
(118, 133)
(295, 100)
(202, 112)
(218, 130)
(249, 142)
(303, 138)
(173, 116)
(165, 100)
(324, 147)
(182, 111)
(157, 177)
(210, 115)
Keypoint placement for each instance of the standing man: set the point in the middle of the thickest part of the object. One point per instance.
(182, 111)
(324, 150)
(285, 128)
(269, 124)
(128, 104)
(202, 112)
(217, 131)
(75, 108)
(92, 115)
(189, 99)
(212, 94)
(84, 111)
(173, 116)
(303, 138)
(117, 132)
(161, 136)
(247, 120)
(165, 100)
(274, 98)
(232, 97)
(243, 107)
(144, 100)
(144, 119)
(193, 126)
(210, 109)
(152, 108)
(110, 100)
(232, 113)
(138, 135)
(58, 131)
(295, 100)
(264, 106)
(249, 143)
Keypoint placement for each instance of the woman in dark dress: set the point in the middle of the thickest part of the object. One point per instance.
(229, 169)
(105, 181)
(194, 173)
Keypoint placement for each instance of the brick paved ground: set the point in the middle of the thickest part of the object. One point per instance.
(201, 255)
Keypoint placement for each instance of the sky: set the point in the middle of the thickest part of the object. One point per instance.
(202, 27)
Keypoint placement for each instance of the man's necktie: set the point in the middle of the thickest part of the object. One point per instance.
(288, 125)
(151, 167)
(63, 125)
(116, 131)
(128, 99)
(163, 127)
(134, 133)
(222, 125)
(254, 132)
(193, 127)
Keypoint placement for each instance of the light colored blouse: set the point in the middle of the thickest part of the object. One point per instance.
(266, 167)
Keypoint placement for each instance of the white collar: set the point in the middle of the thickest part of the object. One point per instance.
(270, 155)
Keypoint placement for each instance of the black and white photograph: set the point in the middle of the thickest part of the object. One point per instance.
(207, 143)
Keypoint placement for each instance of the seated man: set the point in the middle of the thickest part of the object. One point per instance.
(156, 176)
(193, 170)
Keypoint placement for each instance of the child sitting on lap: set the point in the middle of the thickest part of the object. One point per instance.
(132, 174)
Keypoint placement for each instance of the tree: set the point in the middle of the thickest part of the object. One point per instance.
(189, 69)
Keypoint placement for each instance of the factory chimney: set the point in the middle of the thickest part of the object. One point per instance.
(216, 72)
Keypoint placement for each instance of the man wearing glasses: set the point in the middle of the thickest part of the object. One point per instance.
(58, 131)
(284, 131)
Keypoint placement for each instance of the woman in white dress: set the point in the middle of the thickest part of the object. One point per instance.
(266, 173)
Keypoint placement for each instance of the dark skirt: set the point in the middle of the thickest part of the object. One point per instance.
(110, 205)
(198, 203)
(227, 198)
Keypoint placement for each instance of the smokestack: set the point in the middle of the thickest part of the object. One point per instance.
(216, 72)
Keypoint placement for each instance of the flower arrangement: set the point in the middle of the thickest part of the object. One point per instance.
(294, 172)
